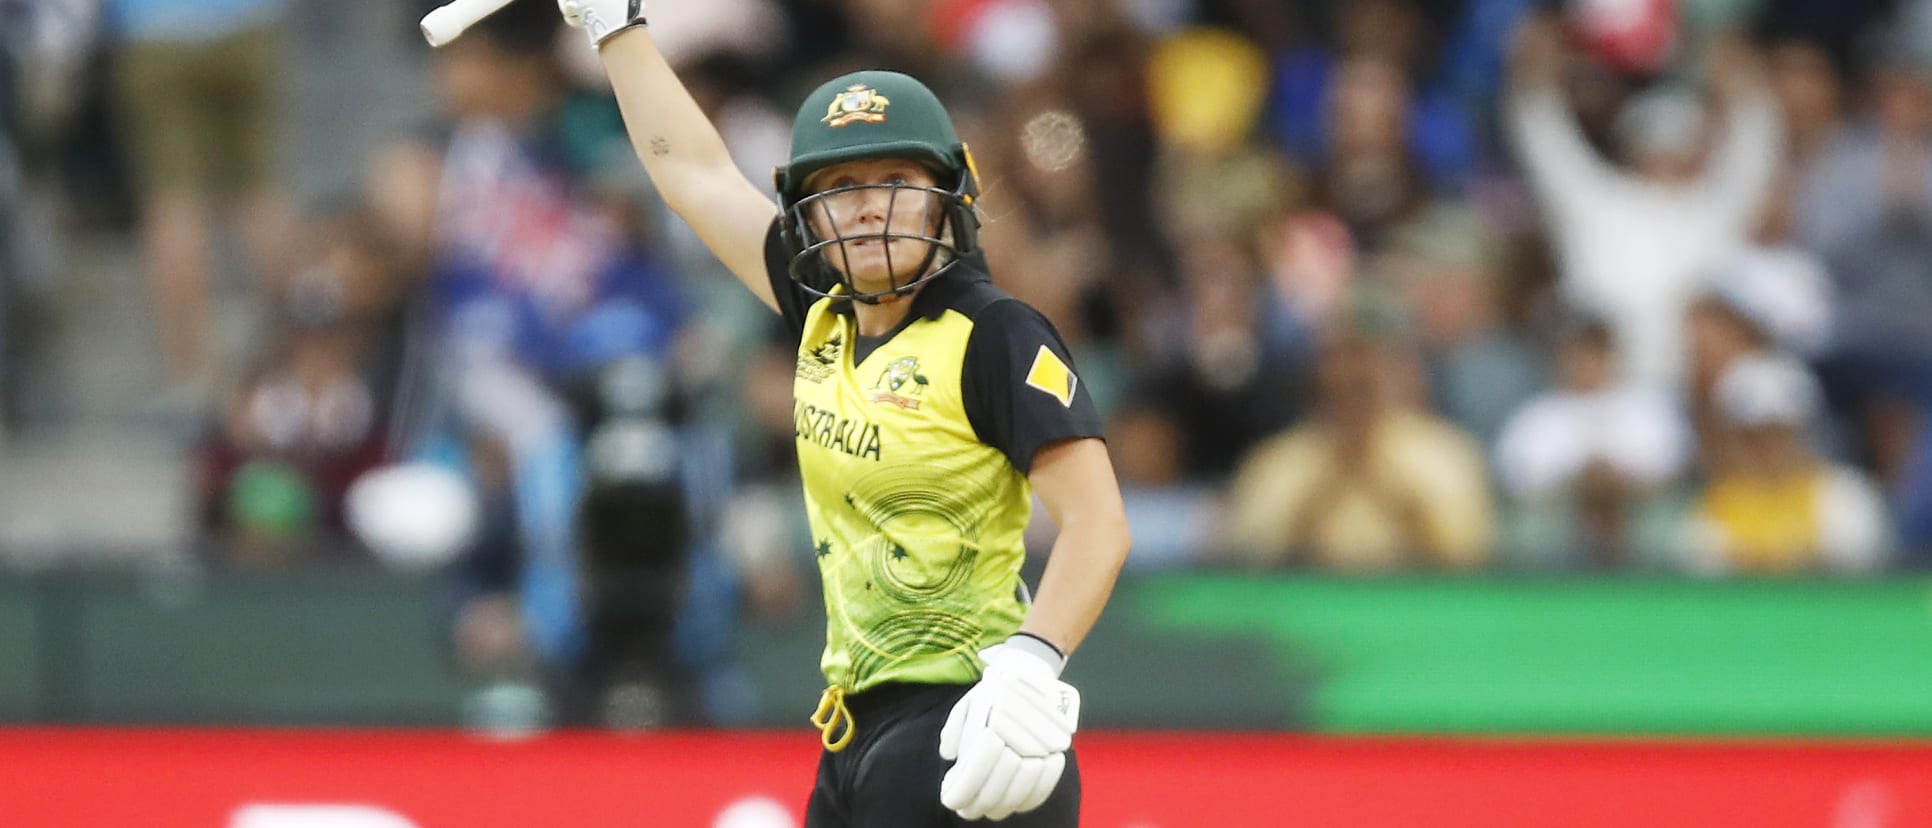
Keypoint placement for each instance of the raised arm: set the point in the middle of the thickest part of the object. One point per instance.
(1745, 159)
(680, 148)
(1562, 168)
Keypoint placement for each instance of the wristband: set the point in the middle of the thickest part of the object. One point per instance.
(1040, 648)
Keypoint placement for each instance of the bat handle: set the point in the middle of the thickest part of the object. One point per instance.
(445, 23)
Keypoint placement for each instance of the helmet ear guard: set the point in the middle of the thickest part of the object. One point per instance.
(965, 224)
(962, 213)
(969, 178)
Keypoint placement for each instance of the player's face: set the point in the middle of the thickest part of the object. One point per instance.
(878, 210)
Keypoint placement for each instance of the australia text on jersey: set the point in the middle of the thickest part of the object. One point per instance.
(857, 437)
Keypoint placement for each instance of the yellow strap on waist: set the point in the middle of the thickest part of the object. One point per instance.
(832, 716)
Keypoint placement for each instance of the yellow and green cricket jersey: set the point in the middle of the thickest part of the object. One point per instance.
(913, 449)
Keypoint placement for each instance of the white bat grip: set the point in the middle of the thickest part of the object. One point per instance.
(445, 22)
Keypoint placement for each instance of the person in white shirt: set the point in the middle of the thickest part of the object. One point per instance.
(1581, 461)
(1634, 241)
(1591, 417)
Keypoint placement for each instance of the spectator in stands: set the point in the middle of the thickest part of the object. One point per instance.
(1370, 482)
(45, 47)
(1805, 79)
(1776, 507)
(1447, 272)
(311, 417)
(1634, 240)
(1588, 465)
(1212, 178)
(1396, 40)
(298, 431)
(1367, 193)
(1865, 206)
(1370, 177)
(198, 90)
(354, 276)
(1756, 301)
(1804, 75)
(1225, 371)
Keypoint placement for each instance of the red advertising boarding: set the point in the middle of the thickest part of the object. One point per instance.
(402, 779)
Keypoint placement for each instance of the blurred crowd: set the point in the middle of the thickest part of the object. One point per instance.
(1366, 286)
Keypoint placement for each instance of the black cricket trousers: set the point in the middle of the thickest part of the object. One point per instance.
(888, 777)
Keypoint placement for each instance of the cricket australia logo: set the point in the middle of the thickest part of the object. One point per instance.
(820, 362)
(900, 384)
(857, 104)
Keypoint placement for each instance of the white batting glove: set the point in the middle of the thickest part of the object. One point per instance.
(601, 19)
(1008, 736)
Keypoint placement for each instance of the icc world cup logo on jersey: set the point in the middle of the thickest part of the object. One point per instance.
(818, 363)
(900, 384)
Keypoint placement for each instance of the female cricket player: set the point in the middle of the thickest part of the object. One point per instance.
(928, 406)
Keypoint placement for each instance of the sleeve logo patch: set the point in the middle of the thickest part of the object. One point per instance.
(1049, 374)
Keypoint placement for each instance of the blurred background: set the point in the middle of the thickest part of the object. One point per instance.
(1470, 366)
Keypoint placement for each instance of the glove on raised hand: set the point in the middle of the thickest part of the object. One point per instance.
(1008, 736)
(601, 19)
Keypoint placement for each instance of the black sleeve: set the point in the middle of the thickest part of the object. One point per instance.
(793, 301)
(1020, 387)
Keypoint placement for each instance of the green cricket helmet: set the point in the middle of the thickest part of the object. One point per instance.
(870, 115)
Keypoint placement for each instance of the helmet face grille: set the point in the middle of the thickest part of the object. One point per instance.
(828, 247)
